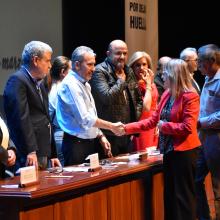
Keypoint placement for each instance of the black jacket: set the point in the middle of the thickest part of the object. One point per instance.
(27, 115)
(107, 91)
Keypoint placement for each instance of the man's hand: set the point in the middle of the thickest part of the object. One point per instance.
(106, 146)
(11, 158)
(32, 159)
(118, 128)
(55, 162)
(121, 74)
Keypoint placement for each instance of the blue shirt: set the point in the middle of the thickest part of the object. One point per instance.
(209, 116)
(53, 103)
(76, 111)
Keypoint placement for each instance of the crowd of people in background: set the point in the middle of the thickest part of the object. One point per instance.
(58, 113)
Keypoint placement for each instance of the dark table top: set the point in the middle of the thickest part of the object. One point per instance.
(50, 183)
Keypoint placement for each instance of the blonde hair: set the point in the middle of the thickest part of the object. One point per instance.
(138, 55)
(179, 76)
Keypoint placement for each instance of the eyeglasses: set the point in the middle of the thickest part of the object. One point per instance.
(196, 60)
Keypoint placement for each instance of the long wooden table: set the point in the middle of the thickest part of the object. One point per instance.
(131, 191)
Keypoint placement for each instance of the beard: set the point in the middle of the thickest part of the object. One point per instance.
(120, 65)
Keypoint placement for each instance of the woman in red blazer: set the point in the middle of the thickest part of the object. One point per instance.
(176, 118)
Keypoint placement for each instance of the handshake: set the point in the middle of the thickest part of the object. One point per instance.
(118, 128)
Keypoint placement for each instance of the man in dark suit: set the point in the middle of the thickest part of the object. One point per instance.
(26, 108)
(189, 55)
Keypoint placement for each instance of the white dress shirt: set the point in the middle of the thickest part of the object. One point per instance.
(76, 111)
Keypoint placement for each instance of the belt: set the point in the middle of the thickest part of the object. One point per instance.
(74, 138)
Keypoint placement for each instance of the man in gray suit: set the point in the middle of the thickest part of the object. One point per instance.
(209, 129)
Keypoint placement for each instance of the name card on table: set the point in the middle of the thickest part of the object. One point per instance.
(94, 162)
(28, 176)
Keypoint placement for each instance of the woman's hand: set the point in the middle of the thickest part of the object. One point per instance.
(147, 76)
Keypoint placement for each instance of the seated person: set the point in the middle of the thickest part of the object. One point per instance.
(7, 149)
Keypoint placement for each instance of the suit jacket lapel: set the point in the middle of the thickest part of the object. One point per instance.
(196, 86)
(44, 102)
(45, 98)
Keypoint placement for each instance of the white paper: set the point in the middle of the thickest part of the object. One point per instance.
(94, 160)
(129, 157)
(12, 186)
(154, 153)
(28, 174)
(151, 149)
(76, 169)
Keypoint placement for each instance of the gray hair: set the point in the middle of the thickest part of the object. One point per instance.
(185, 53)
(162, 62)
(209, 52)
(79, 52)
(34, 48)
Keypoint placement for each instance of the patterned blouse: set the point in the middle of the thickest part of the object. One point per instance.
(166, 141)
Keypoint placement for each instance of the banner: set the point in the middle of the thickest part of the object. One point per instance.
(141, 27)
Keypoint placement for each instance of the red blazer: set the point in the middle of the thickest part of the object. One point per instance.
(183, 124)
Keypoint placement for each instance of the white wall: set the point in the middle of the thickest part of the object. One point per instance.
(22, 21)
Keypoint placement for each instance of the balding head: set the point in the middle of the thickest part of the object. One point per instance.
(116, 44)
(117, 54)
(162, 62)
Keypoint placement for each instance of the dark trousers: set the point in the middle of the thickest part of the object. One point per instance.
(179, 185)
(75, 150)
(208, 161)
(120, 145)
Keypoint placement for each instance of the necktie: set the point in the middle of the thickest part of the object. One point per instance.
(39, 91)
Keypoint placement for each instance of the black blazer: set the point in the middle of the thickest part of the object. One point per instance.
(27, 115)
